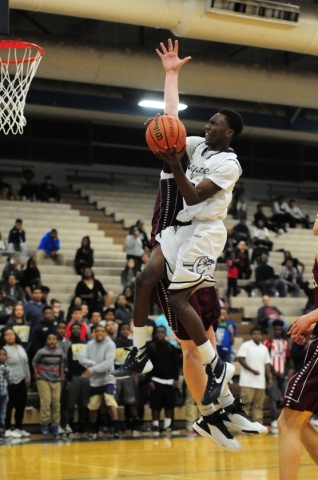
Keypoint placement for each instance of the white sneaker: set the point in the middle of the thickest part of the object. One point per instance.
(236, 418)
(314, 420)
(23, 433)
(213, 428)
(60, 431)
(12, 434)
(274, 424)
(68, 429)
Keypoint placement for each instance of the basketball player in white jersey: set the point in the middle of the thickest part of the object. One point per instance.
(187, 252)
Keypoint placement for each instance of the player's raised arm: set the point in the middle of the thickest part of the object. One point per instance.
(171, 63)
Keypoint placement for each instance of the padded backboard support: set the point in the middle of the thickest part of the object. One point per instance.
(4, 17)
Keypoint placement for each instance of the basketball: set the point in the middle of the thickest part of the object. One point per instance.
(166, 131)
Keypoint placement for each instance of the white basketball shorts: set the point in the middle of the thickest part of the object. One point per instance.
(191, 253)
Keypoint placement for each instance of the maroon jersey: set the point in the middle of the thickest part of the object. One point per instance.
(205, 301)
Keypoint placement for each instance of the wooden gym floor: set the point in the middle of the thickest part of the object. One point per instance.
(168, 458)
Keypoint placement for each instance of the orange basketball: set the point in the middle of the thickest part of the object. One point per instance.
(166, 131)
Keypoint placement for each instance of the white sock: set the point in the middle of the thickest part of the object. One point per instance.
(225, 399)
(139, 337)
(155, 423)
(206, 410)
(166, 422)
(207, 352)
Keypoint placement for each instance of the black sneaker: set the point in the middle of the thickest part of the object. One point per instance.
(136, 362)
(213, 428)
(155, 431)
(235, 417)
(217, 379)
(117, 434)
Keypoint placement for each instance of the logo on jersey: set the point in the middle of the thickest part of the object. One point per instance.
(201, 265)
(197, 170)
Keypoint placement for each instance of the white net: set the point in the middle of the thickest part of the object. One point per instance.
(18, 64)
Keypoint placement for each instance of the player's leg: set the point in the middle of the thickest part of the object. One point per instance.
(290, 425)
(309, 438)
(210, 425)
(219, 372)
(138, 361)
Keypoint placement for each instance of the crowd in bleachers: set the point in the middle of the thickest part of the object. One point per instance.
(245, 248)
(59, 352)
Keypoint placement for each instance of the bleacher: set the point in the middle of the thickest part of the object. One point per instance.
(126, 204)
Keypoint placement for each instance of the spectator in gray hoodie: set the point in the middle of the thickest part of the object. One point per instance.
(48, 365)
(98, 358)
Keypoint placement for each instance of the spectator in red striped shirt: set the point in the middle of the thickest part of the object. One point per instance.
(279, 352)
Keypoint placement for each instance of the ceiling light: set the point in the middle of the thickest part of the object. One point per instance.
(158, 105)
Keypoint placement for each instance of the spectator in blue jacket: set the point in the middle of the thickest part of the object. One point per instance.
(225, 334)
(50, 247)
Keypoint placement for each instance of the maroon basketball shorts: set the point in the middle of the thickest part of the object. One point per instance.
(302, 389)
(204, 301)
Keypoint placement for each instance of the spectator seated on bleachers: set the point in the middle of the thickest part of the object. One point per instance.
(123, 312)
(48, 191)
(12, 267)
(268, 313)
(239, 209)
(129, 274)
(7, 191)
(242, 261)
(17, 239)
(31, 277)
(298, 215)
(91, 291)
(50, 247)
(59, 315)
(260, 215)
(261, 241)
(29, 185)
(241, 232)
(134, 247)
(130, 295)
(13, 290)
(288, 275)
(143, 235)
(266, 280)
(84, 256)
(281, 214)
(6, 307)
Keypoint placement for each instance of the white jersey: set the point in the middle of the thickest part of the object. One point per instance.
(222, 168)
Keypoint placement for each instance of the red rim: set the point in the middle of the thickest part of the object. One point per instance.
(22, 45)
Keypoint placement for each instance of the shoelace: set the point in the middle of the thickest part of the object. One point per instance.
(239, 409)
(211, 377)
(131, 356)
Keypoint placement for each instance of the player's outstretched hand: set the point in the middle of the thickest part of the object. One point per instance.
(171, 157)
(301, 329)
(150, 119)
(169, 58)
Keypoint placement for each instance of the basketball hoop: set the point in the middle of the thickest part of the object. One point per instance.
(18, 64)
